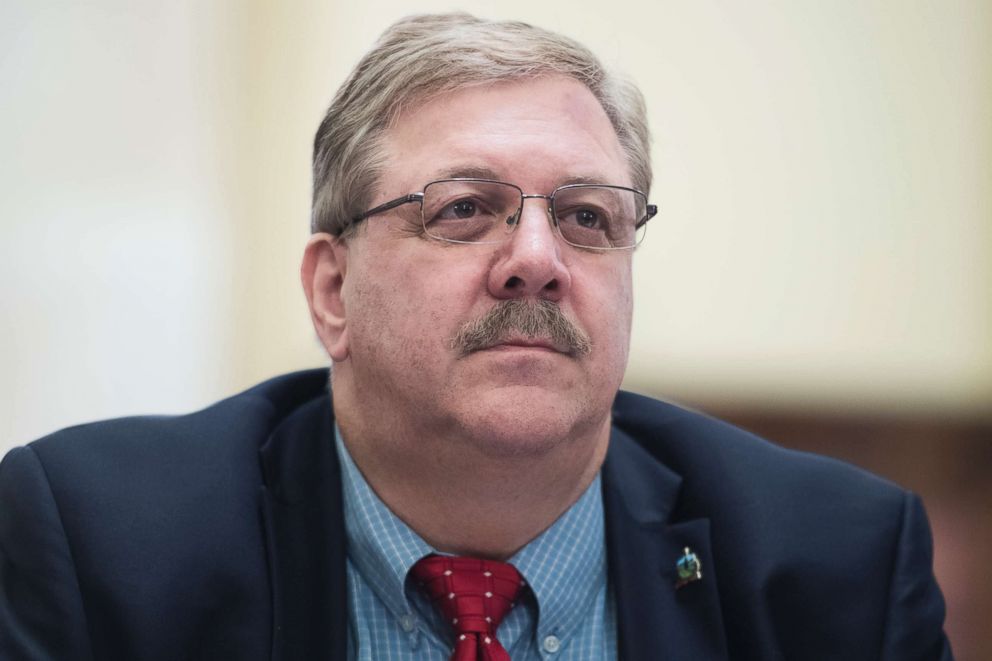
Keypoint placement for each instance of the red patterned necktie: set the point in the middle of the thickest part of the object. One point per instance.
(473, 595)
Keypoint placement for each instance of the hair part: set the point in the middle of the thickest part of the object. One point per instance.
(424, 56)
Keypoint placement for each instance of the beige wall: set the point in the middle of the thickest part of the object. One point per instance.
(823, 171)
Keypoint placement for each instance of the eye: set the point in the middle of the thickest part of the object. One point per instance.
(468, 210)
(460, 209)
(587, 218)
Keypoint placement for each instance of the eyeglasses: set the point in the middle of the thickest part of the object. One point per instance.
(594, 216)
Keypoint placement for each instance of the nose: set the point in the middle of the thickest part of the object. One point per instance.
(530, 263)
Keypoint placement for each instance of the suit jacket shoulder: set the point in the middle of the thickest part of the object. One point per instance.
(763, 477)
(142, 537)
(804, 556)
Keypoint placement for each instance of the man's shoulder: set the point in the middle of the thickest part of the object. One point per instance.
(244, 417)
(808, 543)
(144, 520)
(218, 444)
(717, 461)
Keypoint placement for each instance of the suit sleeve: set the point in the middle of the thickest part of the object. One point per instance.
(41, 608)
(914, 624)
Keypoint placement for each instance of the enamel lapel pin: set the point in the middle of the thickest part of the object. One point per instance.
(688, 569)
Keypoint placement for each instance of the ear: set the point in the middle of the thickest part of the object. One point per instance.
(325, 263)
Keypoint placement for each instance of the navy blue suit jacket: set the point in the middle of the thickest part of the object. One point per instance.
(219, 535)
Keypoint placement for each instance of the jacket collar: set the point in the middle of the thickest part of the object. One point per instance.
(303, 516)
(656, 620)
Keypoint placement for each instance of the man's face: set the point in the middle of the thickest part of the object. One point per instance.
(406, 296)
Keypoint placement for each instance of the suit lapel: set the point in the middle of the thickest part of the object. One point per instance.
(305, 537)
(654, 619)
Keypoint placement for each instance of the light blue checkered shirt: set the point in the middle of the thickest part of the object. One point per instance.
(570, 617)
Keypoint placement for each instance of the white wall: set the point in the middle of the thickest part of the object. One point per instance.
(114, 267)
(823, 171)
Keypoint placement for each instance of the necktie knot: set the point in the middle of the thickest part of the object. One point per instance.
(474, 595)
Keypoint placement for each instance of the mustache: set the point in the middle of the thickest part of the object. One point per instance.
(543, 319)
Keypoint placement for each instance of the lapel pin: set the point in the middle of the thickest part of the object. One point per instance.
(688, 568)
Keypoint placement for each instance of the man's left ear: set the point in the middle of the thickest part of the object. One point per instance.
(325, 262)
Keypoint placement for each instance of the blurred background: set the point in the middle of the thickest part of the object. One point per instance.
(820, 271)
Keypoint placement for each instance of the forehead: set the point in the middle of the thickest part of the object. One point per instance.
(537, 133)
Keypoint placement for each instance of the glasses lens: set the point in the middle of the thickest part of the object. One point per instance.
(600, 216)
(470, 211)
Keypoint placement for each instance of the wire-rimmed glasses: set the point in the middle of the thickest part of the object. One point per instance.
(593, 216)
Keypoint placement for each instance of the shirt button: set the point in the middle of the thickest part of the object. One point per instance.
(408, 623)
(551, 644)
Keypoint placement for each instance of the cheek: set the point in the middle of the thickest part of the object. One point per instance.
(607, 291)
(384, 325)
(404, 318)
(612, 310)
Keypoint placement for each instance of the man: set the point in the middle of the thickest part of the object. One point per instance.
(474, 484)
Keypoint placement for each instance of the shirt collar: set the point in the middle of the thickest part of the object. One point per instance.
(565, 565)
(380, 545)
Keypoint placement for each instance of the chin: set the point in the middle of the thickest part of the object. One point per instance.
(531, 424)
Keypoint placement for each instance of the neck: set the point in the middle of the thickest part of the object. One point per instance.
(433, 482)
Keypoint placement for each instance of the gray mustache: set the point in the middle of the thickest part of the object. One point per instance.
(542, 319)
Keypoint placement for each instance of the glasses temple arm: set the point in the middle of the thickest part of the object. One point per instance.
(649, 213)
(392, 204)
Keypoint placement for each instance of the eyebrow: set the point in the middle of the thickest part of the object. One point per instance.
(468, 172)
(579, 179)
(473, 172)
